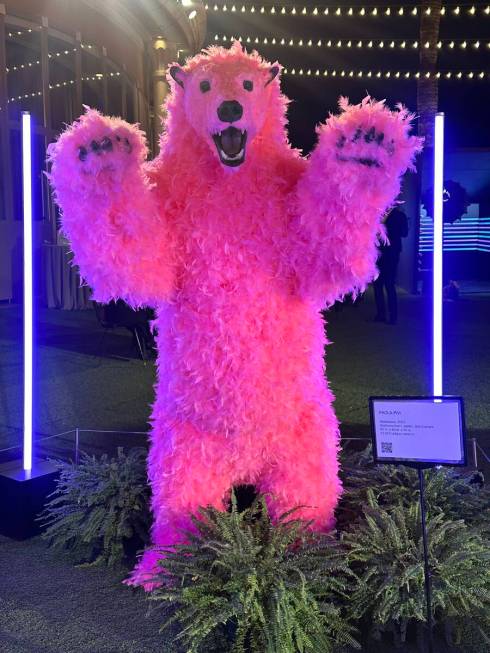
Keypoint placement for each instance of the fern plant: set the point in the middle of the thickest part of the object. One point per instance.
(99, 507)
(385, 551)
(248, 585)
(454, 493)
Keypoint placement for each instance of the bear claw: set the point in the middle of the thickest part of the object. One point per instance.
(104, 145)
(370, 136)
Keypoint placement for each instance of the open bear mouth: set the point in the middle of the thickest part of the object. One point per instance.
(230, 144)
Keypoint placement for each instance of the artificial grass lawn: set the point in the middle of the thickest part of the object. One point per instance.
(49, 606)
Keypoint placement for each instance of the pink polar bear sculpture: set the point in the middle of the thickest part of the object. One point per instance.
(238, 242)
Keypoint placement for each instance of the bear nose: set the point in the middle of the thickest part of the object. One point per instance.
(230, 111)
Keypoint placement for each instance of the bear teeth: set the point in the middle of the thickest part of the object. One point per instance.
(234, 157)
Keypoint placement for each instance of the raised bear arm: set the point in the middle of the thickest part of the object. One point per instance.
(109, 214)
(352, 178)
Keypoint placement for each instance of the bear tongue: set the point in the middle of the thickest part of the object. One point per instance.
(231, 141)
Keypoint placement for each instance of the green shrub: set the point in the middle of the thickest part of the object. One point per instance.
(100, 507)
(247, 585)
(447, 490)
(385, 550)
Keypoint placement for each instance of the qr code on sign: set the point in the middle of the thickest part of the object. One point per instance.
(386, 447)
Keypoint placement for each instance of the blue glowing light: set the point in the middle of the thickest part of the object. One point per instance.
(28, 292)
(437, 256)
(470, 233)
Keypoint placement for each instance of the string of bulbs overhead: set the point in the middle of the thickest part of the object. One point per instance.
(387, 74)
(321, 10)
(69, 82)
(403, 44)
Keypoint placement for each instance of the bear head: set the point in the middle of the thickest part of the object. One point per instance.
(229, 98)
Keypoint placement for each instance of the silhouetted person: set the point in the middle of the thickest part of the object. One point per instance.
(396, 228)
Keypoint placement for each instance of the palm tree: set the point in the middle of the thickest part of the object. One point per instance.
(427, 100)
(428, 88)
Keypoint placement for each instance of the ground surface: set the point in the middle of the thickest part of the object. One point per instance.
(49, 606)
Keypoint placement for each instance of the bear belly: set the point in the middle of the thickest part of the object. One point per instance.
(239, 362)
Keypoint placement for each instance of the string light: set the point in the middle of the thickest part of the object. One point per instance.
(367, 12)
(37, 62)
(348, 43)
(387, 74)
(69, 82)
(19, 32)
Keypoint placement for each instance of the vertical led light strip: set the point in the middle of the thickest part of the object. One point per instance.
(438, 249)
(28, 291)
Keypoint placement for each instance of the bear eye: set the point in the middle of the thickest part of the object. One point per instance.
(248, 85)
(205, 86)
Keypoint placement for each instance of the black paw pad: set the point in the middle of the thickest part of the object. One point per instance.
(82, 153)
(370, 163)
(95, 147)
(357, 135)
(106, 144)
(370, 135)
(341, 142)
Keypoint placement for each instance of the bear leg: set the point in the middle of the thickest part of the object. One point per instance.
(305, 470)
(188, 469)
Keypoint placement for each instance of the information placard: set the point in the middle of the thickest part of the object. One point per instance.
(418, 430)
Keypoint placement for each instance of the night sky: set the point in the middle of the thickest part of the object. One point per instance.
(466, 103)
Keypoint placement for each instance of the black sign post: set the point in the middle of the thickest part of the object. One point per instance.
(419, 432)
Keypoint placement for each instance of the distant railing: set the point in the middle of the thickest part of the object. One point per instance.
(46, 446)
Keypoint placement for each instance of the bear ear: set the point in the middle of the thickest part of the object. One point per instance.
(177, 75)
(273, 73)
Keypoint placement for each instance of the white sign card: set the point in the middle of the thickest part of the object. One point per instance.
(412, 430)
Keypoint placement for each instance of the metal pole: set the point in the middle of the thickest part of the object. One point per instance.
(426, 561)
(77, 432)
(78, 75)
(5, 155)
(475, 452)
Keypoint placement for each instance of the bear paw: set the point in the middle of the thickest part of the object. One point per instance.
(107, 145)
(354, 149)
(96, 147)
(370, 135)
